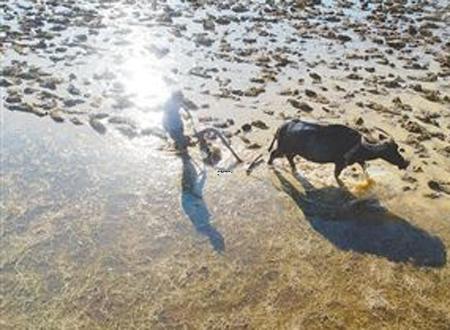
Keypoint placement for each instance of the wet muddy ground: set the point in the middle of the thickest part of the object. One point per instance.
(104, 225)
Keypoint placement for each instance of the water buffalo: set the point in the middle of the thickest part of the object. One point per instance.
(332, 143)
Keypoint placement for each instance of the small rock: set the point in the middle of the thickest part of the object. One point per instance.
(221, 124)
(50, 84)
(239, 8)
(417, 169)
(117, 120)
(203, 40)
(432, 195)
(289, 91)
(246, 127)
(223, 20)
(5, 83)
(46, 104)
(97, 125)
(354, 76)
(102, 115)
(315, 76)
(439, 186)
(158, 52)
(56, 115)
(14, 98)
(310, 93)
(257, 80)
(445, 151)
(433, 96)
(245, 140)
(300, 105)
(408, 178)
(414, 127)
(359, 121)
(260, 124)
(254, 145)
(72, 102)
(81, 37)
(76, 121)
(73, 90)
(391, 84)
(127, 131)
(396, 43)
(344, 38)
(29, 90)
(208, 24)
(254, 91)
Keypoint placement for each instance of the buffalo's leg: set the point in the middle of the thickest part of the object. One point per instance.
(290, 158)
(337, 171)
(274, 154)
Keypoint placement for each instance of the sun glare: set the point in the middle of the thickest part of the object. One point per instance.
(145, 83)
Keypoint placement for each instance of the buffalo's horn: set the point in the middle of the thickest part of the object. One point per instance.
(371, 146)
(368, 139)
(386, 133)
(365, 141)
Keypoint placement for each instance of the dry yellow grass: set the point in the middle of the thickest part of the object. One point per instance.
(136, 268)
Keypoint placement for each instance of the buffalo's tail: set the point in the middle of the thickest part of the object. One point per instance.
(275, 137)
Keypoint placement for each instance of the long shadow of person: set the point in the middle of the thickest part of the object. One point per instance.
(194, 206)
(364, 225)
(192, 181)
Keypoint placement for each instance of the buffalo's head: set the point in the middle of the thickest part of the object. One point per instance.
(391, 154)
(387, 150)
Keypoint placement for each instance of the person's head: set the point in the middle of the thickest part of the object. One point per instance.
(177, 96)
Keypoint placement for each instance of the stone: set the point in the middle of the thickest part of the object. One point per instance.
(246, 127)
(260, 124)
(56, 115)
(300, 105)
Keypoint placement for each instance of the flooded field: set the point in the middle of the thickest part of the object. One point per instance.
(105, 224)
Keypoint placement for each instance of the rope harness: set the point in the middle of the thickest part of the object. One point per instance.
(201, 136)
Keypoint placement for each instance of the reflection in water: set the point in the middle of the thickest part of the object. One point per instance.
(192, 182)
(194, 206)
(364, 225)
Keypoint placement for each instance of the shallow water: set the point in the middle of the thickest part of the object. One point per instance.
(128, 235)
(106, 225)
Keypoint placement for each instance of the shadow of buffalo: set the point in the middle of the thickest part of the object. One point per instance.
(363, 225)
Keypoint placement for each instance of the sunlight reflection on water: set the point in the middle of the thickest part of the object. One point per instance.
(144, 77)
(145, 82)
